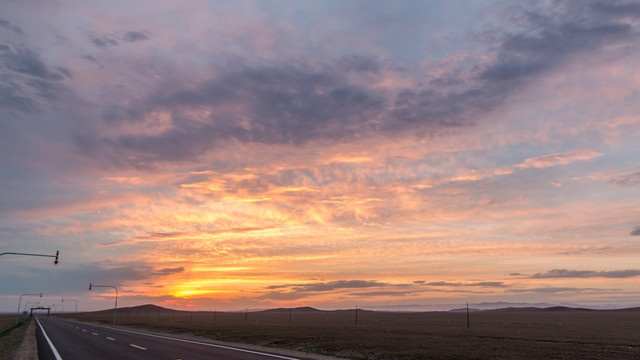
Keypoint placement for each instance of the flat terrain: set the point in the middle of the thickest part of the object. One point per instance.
(11, 335)
(554, 333)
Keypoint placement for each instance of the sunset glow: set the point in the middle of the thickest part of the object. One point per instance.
(261, 154)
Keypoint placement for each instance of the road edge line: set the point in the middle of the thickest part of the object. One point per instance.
(53, 348)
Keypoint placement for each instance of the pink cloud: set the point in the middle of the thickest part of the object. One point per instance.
(558, 159)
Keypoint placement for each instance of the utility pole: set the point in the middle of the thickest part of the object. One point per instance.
(467, 315)
(115, 308)
(75, 317)
(20, 300)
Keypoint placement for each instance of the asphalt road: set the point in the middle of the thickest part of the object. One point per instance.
(77, 340)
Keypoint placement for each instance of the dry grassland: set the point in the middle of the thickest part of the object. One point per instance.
(11, 336)
(498, 334)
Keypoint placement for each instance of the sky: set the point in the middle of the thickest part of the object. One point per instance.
(228, 155)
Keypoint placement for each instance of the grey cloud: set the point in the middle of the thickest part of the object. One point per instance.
(13, 97)
(384, 293)
(7, 25)
(523, 55)
(168, 271)
(627, 180)
(25, 61)
(488, 284)
(102, 41)
(64, 71)
(297, 291)
(45, 89)
(160, 235)
(635, 232)
(334, 285)
(133, 36)
(90, 58)
(295, 104)
(563, 273)
(618, 8)
(360, 63)
(442, 283)
(329, 286)
(555, 290)
(459, 284)
(573, 28)
(74, 278)
(27, 80)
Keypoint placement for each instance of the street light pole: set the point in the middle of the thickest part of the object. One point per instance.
(115, 308)
(20, 300)
(75, 316)
(55, 262)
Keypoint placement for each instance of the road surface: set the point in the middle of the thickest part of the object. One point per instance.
(69, 340)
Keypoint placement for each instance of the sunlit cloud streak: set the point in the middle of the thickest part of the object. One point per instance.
(562, 273)
(558, 159)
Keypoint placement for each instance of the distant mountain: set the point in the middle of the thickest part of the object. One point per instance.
(147, 307)
(464, 309)
(305, 309)
(485, 306)
(633, 309)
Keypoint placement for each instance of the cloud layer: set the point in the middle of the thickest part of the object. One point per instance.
(270, 154)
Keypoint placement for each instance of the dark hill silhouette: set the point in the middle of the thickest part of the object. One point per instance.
(147, 307)
(565, 308)
(305, 309)
(150, 308)
(633, 309)
(540, 309)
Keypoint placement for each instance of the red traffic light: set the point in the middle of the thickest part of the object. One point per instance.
(55, 262)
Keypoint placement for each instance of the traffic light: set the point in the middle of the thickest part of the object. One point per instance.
(89, 286)
(55, 262)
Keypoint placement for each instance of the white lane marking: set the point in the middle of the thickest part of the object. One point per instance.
(84, 330)
(110, 338)
(138, 347)
(53, 348)
(202, 343)
(96, 334)
(206, 344)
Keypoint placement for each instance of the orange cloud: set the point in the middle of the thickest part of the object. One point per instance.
(559, 159)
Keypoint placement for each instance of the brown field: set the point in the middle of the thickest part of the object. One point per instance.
(554, 333)
(10, 335)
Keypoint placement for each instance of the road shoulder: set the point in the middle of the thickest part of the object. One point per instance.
(28, 350)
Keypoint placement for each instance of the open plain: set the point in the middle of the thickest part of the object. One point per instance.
(527, 333)
(11, 335)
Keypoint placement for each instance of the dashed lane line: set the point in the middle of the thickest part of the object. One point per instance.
(138, 347)
(96, 334)
(110, 338)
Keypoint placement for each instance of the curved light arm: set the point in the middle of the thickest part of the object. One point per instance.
(55, 262)
(20, 300)
(115, 308)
